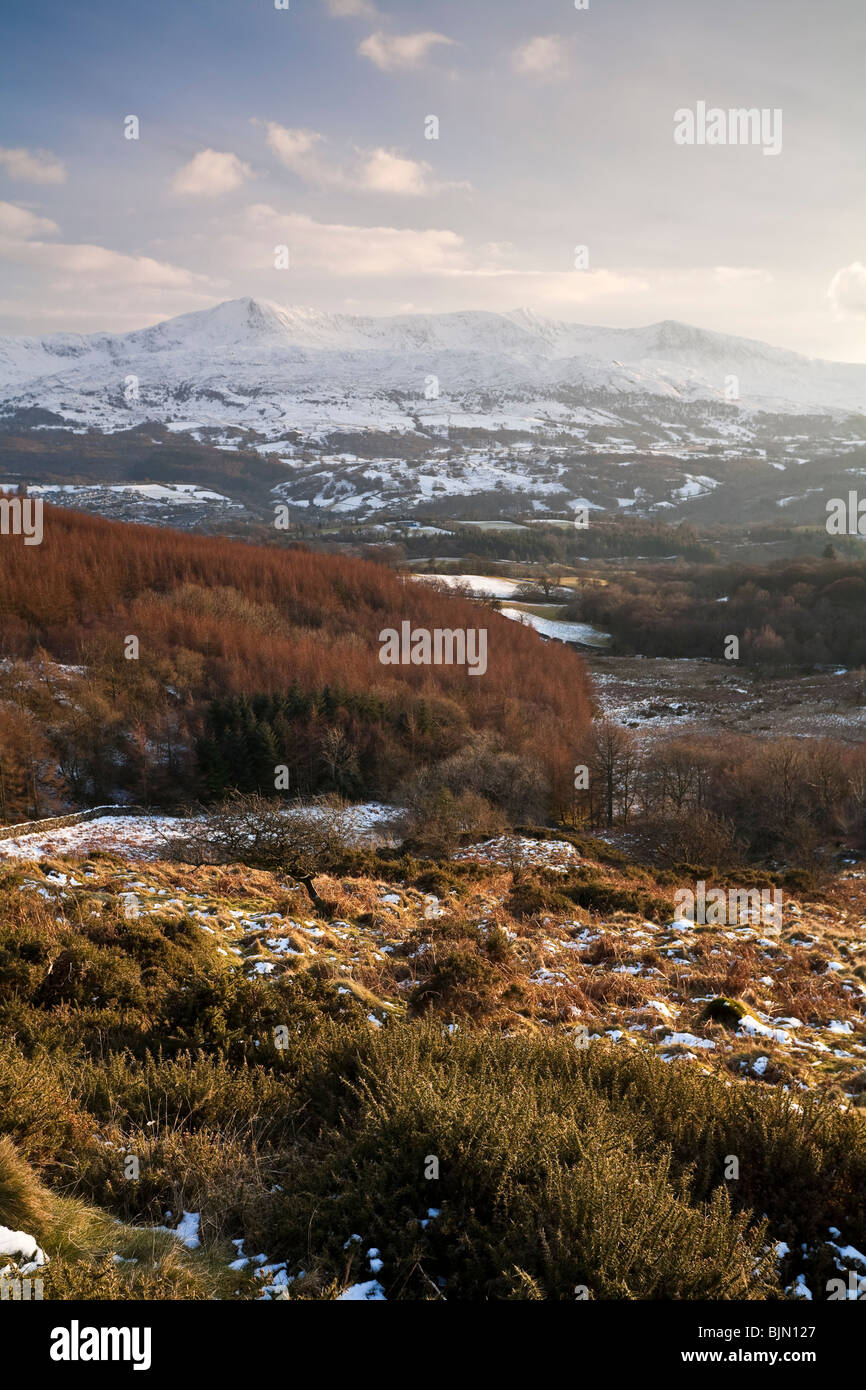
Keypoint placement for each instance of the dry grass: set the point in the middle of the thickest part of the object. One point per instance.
(392, 948)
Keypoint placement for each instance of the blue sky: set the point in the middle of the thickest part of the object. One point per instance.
(305, 128)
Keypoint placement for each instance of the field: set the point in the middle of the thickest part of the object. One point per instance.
(663, 696)
(192, 1055)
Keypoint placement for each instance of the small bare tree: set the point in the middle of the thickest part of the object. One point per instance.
(614, 768)
(297, 840)
(340, 757)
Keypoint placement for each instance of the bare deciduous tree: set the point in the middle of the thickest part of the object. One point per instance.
(298, 840)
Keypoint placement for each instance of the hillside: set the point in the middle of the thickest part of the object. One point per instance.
(249, 658)
(507, 1072)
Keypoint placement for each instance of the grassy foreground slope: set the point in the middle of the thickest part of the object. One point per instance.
(396, 1072)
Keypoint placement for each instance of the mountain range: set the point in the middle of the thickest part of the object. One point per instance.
(230, 358)
(369, 414)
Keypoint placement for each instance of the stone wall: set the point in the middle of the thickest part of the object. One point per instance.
(32, 827)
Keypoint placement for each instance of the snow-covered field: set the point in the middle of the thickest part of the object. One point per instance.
(146, 838)
(134, 836)
(184, 493)
(150, 837)
(558, 855)
(481, 585)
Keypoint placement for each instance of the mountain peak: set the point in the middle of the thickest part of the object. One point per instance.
(673, 333)
(251, 350)
(246, 317)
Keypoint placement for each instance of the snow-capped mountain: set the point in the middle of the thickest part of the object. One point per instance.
(254, 365)
(441, 415)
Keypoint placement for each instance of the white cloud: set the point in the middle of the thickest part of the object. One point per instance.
(847, 291)
(741, 275)
(373, 171)
(98, 265)
(383, 171)
(20, 224)
(120, 312)
(34, 166)
(544, 56)
(553, 291)
(479, 274)
(298, 150)
(352, 9)
(345, 250)
(104, 265)
(389, 51)
(21, 241)
(209, 174)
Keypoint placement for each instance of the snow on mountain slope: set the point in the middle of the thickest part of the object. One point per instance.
(254, 364)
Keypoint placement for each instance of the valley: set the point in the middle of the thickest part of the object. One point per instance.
(324, 891)
(432, 678)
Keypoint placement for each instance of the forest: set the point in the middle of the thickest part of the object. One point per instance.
(807, 612)
(246, 658)
(725, 800)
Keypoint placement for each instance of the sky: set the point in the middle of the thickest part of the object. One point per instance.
(286, 153)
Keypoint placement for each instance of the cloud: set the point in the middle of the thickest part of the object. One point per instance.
(479, 274)
(298, 150)
(352, 9)
(745, 275)
(19, 224)
(553, 291)
(544, 56)
(389, 52)
(97, 264)
(34, 166)
(209, 174)
(383, 171)
(847, 291)
(372, 171)
(21, 241)
(345, 250)
(102, 264)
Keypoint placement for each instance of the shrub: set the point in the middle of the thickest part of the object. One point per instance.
(23, 1204)
(589, 891)
(462, 982)
(556, 1166)
(531, 896)
(694, 836)
(725, 1011)
(515, 784)
(544, 1182)
(439, 819)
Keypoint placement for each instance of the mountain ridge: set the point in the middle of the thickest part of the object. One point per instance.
(305, 325)
(254, 365)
